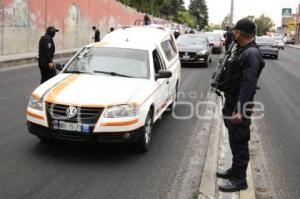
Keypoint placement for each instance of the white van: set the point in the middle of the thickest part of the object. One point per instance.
(113, 90)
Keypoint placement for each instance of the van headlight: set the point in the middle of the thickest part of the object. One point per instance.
(202, 52)
(121, 111)
(35, 103)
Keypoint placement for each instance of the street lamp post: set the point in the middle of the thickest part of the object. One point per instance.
(231, 14)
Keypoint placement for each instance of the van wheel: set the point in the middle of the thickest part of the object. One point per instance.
(143, 145)
(275, 56)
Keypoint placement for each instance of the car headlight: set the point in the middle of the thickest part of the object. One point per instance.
(202, 52)
(121, 111)
(35, 103)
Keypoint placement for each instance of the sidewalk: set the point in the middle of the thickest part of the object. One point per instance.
(20, 59)
(219, 157)
(293, 45)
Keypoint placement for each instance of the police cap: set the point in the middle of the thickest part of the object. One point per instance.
(246, 26)
(52, 29)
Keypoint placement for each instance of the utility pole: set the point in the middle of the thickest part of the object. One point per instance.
(231, 13)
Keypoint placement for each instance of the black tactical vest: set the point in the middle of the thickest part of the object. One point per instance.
(233, 71)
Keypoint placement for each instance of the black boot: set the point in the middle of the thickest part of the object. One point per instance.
(234, 184)
(225, 174)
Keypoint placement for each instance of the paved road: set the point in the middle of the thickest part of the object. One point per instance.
(280, 127)
(32, 169)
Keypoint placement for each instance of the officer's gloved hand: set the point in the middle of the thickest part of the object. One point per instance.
(236, 118)
(59, 66)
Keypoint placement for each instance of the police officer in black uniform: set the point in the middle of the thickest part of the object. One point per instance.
(46, 54)
(97, 34)
(239, 83)
(228, 38)
(147, 20)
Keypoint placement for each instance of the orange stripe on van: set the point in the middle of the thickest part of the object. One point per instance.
(35, 96)
(123, 123)
(101, 44)
(40, 117)
(57, 89)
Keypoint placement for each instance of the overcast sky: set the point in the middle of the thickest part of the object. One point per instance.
(218, 9)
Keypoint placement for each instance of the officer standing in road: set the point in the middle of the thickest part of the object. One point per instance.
(46, 54)
(239, 84)
(97, 34)
(228, 38)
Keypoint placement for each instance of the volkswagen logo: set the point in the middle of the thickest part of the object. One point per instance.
(186, 53)
(71, 112)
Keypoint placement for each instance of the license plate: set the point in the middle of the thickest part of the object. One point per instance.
(67, 126)
(185, 56)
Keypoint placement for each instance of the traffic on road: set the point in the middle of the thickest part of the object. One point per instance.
(148, 100)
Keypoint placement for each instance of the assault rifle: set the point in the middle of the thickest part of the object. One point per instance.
(216, 77)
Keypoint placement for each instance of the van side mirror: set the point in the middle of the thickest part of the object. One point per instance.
(163, 74)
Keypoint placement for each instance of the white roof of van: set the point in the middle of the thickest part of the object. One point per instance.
(144, 38)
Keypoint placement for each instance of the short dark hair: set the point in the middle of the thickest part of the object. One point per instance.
(94, 27)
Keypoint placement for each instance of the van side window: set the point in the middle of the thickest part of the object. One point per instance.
(157, 62)
(168, 49)
(173, 43)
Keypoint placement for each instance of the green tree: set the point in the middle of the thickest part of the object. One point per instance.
(198, 9)
(251, 17)
(184, 17)
(263, 24)
(212, 27)
(225, 22)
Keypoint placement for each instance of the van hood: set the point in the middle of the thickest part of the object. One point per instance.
(93, 90)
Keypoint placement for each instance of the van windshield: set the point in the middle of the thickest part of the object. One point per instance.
(111, 61)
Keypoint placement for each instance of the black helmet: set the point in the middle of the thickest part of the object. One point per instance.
(246, 26)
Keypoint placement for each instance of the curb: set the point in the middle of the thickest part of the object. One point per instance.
(208, 181)
(8, 61)
(249, 193)
(293, 46)
(218, 150)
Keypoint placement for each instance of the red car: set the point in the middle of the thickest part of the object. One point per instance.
(215, 42)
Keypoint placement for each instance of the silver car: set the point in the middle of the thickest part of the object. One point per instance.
(194, 49)
(267, 46)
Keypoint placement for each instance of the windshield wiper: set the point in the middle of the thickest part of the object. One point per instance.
(78, 72)
(112, 73)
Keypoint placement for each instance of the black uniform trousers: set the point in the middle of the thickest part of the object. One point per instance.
(239, 136)
(46, 73)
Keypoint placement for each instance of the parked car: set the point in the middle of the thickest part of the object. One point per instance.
(267, 46)
(290, 40)
(194, 49)
(216, 43)
(279, 42)
(221, 35)
(111, 91)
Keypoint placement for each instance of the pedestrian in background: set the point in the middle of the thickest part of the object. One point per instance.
(176, 33)
(192, 31)
(147, 20)
(97, 34)
(239, 83)
(46, 54)
(228, 38)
